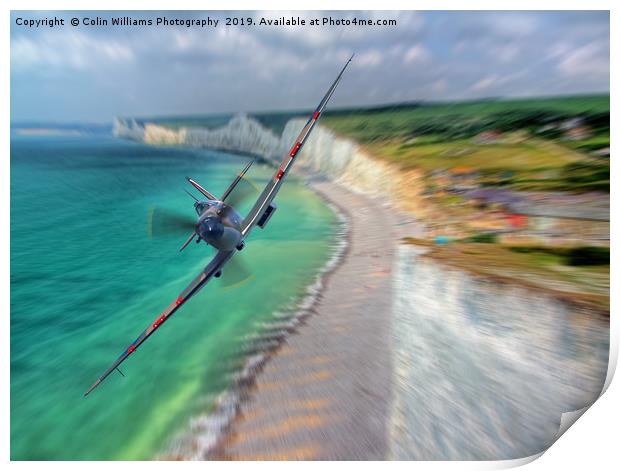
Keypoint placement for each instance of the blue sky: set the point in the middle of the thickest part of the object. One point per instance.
(95, 73)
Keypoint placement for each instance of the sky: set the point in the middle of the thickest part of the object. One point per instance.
(93, 73)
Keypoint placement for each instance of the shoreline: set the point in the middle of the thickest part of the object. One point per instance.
(306, 390)
(210, 430)
(319, 384)
(321, 381)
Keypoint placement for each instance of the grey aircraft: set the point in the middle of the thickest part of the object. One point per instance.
(222, 227)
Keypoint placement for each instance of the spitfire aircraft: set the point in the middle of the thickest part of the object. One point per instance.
(222, 227)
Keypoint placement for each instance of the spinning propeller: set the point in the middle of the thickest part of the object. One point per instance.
(171, 222)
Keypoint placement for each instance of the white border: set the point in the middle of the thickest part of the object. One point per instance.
(590, 443)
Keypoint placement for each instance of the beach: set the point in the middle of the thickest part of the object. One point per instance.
(325, 393)
(396, 360)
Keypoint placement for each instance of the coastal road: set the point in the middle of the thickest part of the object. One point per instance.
(325, 394)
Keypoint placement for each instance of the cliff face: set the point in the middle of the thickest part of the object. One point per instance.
(349, 164)
(241, 134)
(490, 367)
(159, 135)
(337, 158)
(128, 129)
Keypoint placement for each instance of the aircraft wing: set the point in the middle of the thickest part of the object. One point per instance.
(220, 259)
(272, 188)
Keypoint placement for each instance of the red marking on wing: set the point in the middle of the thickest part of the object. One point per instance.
(295, 149)
(131, 348)
(179, 300)
(159, 321)
(316, 115)
(279, 174)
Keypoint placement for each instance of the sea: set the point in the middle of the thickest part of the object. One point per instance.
(87, 277)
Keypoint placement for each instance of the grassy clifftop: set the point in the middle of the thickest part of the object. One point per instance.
(462, 119)
(551, 270)
(535, 144)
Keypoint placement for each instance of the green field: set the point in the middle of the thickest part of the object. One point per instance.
(546, 268)
(531, 147)
(530, 154)
(461, 119)
(389, 121)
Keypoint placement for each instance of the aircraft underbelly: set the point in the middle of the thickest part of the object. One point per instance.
(228, 241)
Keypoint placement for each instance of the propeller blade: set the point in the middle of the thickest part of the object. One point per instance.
(235, 273)
(192, 196)
(237, 179)
(168, 222)
(189, 239)
(244, 191)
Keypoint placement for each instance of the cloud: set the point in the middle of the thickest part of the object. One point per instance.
(370, 58)
(178, 70)
(516, 24)
(440, 86)
(67, 49)
(589, 59)
(485, 83)
(416, 53)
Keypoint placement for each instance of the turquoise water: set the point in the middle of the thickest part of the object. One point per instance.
(86, 280)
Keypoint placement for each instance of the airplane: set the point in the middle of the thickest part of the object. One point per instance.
(222, 227)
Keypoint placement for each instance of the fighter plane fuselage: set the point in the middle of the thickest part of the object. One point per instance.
(218, 224)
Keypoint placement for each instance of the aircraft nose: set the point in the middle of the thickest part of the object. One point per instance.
(211, 228)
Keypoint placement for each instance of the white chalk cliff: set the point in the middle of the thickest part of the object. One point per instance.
(241, 134)
(337, 158)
